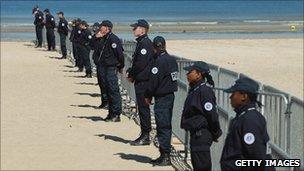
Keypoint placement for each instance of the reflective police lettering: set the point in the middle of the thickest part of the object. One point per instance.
(143, 51)
(208, 106)
(249, 138)
(154, 70)
(114, 45)
(174, 76)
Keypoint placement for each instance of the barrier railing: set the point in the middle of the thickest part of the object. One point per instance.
(284, 114)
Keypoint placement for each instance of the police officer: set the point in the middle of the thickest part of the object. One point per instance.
(162, 85)
(75, 39)
(84, 41)
(50, 25)
(63, 31)
(139, 74)
(95, 44)
(247, 135)
(200, 116)
(111, 61)
(38, 22)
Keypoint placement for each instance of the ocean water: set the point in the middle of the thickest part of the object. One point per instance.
(18, 13)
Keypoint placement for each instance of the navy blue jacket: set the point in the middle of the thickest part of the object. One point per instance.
(49, 22)
(200, 117)
(112, 51)
(247, 138)
(38, 22)
(163, 75)
(63, 26)
(141, 58)
(85, 37)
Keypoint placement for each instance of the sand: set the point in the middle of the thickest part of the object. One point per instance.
(274, 62)
(49, 118)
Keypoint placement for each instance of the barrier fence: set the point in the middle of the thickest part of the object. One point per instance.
(284, 113)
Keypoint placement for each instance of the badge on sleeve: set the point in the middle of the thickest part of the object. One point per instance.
(79, 31)
(154, 70)
(90, 37)
(174, 76)
(62, 24)
(208, 106)
(52, 19)
(39, 17)
(114, 45)
(249, 138)
(143, 51)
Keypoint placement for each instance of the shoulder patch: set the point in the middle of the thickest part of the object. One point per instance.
(62, 24)
(249, 138)
(174, 76)
(143, 51)
(90, 37)
(79, 31)
(114, 45)
(208, 106)
(154, 70)
(52, 19)
(39, 17)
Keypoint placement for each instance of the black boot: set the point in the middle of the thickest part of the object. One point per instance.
(88, 76)
(143, 139)
(104, 104)
(162, 160)
(113, 119)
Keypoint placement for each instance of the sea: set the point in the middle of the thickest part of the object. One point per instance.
(210, 12)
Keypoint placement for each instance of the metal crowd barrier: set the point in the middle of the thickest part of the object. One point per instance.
(284, 113)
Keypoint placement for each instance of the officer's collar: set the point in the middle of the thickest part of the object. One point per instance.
(196, 85)
(161, 53)
(138, 39)
(243, 109)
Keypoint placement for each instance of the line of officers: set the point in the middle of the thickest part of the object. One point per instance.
(154, 74)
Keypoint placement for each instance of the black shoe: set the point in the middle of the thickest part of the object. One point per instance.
(143, 139)
(113, 119)
(89, 75)
(38, 46)
(104, 105)
(162, 160)
(63, 57)
(80, 70)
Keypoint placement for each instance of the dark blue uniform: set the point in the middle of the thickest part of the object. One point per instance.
(50, 36)
(63, 31)
(140, 73)
(247, 138)
(38, 22)
(96, 44)
(84, 41)
(201, 119)
(162, 85)
(110, 61)
(75, 38)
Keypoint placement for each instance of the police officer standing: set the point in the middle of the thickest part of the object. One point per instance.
(139, 74)
(162, 85)
(38, 22)
(247, 135)
(200, 116)
(75, 39)
(95, 44)
(63, 31)
(50, 25)
(85, 38)
(111, 61)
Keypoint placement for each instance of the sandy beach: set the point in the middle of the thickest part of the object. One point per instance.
(275, 62)
(50, 120)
